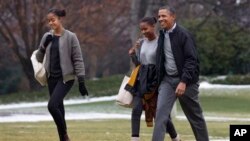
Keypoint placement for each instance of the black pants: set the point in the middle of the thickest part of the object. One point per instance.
(58, 90)
(136, 118)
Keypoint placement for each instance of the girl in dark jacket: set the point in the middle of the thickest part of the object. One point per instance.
(63, 63)
(144, 53)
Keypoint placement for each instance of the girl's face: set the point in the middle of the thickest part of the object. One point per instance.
(54, 21)
(147, 30)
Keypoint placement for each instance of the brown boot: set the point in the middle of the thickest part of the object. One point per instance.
(66, 137)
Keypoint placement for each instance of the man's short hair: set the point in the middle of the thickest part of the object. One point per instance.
(169, 8)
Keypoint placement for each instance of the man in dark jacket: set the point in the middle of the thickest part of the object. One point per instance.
(178, 69)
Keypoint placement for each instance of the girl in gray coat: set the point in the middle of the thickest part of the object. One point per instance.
(63, 63)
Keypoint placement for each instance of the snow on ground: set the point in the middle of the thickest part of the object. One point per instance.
(47, 117)
(32, 117)
(206, 85)
(203, 85)
(94, 116)
(66, 102)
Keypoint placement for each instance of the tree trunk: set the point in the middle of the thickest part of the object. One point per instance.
(135, 7)
(29, 73)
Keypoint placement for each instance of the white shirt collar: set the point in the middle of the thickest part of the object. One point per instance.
(171, 30)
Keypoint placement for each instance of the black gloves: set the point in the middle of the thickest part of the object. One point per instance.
(48, 39)
(82, 88)
(42, 49)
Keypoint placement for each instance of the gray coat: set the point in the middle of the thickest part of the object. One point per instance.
(71, 60)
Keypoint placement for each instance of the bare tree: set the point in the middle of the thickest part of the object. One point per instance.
(21, 27)
(100, 29)
(97, 24)
(140, 9)
(226, 12)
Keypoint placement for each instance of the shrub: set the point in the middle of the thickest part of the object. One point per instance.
(233, 79)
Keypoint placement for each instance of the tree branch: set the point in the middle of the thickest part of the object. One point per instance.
(12, 38)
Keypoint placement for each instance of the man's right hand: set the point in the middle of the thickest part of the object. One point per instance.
(48, 39)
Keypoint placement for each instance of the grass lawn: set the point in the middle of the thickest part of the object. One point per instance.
(102, 87)
(224, 102)
(100, 130)
(215, 102)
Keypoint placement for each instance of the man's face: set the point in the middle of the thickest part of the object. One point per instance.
(166, 19)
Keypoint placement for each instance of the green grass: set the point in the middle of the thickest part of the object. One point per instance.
(215, 102)
(40, 95)
(227, 102)
(101, 87)
(100, 130)
(101, 107)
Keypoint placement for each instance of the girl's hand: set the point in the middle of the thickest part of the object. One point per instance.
(136, 46)
(138, 43)
(131, 51)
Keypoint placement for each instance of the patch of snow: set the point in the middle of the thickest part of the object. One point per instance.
(93, 116)
(66, 102)
(70, 116)
(206, 85)
(213, 118)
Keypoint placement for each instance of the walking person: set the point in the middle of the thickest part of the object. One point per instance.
(63, 63)
(178, 68)
(144, 54)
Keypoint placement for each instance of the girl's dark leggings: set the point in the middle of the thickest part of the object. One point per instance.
(136, 118)
(58, 90)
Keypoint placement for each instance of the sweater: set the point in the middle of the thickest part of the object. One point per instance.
(71, 60)
(55, 68)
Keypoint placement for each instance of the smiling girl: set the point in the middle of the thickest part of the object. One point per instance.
(63, 63)
(144, 53)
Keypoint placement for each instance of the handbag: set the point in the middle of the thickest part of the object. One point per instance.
(124, 97)
(39, 70)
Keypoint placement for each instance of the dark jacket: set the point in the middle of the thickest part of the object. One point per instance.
(145, 85)
(145, 81)
(184, 51)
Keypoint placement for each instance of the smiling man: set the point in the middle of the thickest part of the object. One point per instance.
(178, 70)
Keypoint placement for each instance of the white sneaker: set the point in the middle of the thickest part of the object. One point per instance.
(135, 139)
(177, 138)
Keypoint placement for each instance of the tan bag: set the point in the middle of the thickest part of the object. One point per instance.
(124, 97)
(39, 70)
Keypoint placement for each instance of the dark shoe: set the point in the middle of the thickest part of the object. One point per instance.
(66, 137)
(177, 138)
